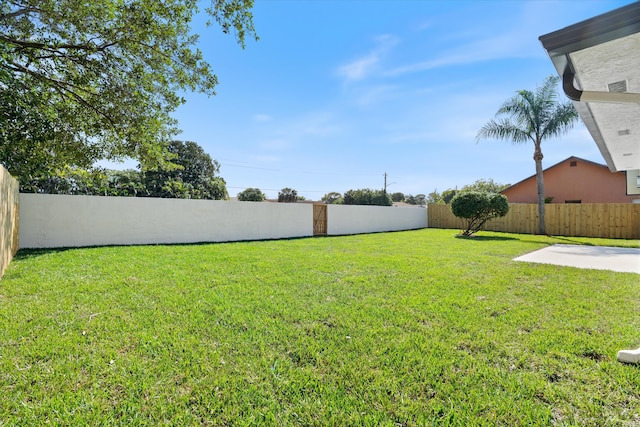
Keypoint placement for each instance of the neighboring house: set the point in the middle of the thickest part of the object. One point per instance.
(573, 180)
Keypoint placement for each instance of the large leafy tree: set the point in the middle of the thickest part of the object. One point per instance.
(31, 141)
(87, 80)
(195, 177)
(533, 117)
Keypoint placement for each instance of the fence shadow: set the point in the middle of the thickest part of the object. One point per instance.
(34, 253)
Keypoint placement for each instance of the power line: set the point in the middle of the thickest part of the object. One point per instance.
(273, 189)
(250, 167)
(253, 166)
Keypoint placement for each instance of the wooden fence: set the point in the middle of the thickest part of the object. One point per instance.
(608, 220)
(319, 219)
(9, 198)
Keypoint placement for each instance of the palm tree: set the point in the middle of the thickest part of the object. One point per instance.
(533, 117)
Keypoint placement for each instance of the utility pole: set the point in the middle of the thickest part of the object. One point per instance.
(385, 183)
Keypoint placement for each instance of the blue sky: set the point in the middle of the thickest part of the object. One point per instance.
(336, 93)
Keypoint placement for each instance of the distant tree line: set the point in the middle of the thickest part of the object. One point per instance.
(380, 197)
(363, 196)
(418, 199)
(480, 185)
(367, 196)
(193, 175)
(286, 195)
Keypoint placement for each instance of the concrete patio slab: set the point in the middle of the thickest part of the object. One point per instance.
(626, 260)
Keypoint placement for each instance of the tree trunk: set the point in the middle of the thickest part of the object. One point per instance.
(537, 156)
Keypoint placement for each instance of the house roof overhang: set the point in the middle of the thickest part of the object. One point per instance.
(599, 62)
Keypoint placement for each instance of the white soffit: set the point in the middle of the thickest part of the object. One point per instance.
(613, 66)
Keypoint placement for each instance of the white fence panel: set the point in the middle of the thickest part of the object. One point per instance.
(48, 221)
(356, 219)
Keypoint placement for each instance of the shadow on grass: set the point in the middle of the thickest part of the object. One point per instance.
(572, 241)
(36, 252)
(545, 239)
(485, 238)
(33, 253)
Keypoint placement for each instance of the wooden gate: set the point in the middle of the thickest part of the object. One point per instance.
(319, 219)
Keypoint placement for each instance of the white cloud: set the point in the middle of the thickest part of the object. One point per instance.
(475, 42)
(262, 118)
(362, 67)
(499, 47)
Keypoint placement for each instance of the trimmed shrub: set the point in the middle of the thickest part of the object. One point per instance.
(477, 208)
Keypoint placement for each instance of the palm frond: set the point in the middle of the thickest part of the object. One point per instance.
(547, 93)
(561, 121)
(504, 130)
(532, 116)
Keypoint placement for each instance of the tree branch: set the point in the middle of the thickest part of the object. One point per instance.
(56, 48)
(67, 88)
(17, 13)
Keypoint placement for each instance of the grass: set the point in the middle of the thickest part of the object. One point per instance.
(407, 328)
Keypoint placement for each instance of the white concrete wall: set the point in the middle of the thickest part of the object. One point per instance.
(48, 221)
(355, 219)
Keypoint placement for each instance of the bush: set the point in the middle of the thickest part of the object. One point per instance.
(332, 198)
(477, 208)
(251, 195)
(418, 199)
(367, 196)
(288, 195)
(397, 197)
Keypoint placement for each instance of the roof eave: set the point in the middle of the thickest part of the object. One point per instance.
(560, 44)
(609, 26)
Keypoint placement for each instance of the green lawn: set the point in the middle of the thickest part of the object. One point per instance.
(392, 329)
